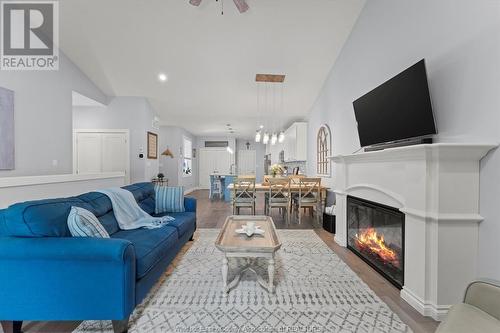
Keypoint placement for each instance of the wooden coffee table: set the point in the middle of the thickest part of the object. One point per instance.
(235, 245)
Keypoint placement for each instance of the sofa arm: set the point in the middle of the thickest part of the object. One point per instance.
(66, 278)
(190, 204)
(485, 295)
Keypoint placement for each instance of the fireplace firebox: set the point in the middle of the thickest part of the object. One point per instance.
(375, 233)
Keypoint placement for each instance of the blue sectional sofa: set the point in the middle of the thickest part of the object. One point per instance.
(45, 274)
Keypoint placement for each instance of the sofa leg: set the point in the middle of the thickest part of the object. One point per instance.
(192, 237)
(11, 326)
(120, 326)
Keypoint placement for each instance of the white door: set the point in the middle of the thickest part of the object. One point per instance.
(89, 153)
(247, 161)
(223, 162)
(205, 168)
(114, 152)
(97, 152)
(213, 161)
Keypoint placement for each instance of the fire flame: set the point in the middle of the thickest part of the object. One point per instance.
(373, 242)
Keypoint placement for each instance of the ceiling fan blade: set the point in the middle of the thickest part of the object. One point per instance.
(241, 5)
(195, 2)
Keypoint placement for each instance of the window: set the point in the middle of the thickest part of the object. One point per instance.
(187, 162)
(323, 151)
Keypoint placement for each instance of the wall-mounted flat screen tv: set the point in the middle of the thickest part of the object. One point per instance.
(396, 110)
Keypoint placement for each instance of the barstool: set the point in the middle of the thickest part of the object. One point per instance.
(216, 187)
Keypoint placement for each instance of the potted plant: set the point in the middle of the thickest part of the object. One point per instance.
(160, 176)
(276, 169)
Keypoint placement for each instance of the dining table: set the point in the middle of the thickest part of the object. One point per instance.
(294, 188)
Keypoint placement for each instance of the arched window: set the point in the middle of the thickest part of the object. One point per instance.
(324, 149)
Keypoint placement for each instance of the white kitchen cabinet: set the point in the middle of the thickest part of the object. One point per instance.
(275, 152)
(295, 145)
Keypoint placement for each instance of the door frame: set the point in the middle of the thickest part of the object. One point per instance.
(103, 131)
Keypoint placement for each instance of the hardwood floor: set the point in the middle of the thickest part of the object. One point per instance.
(212, 214)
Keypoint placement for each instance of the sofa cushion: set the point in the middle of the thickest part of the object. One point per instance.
(48, 218)
(100, 205)
(183, 221)
(151, 246)
(144, 194)
(40, 218)
(82, 223)
(102, 208)
(468, 319)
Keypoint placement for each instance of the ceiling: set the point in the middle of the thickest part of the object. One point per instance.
(210, 59)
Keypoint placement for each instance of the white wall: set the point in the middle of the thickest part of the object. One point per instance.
(18, 189)
(172, 137)
(42, 111)
(260, 152)
(460, 41)
(133, 113)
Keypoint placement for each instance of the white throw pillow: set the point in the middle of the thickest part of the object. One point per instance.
(82, 223)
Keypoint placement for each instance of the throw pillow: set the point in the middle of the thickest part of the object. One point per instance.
(82, 223)
(169, 199)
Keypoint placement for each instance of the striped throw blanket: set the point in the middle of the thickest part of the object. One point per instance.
(127, 212)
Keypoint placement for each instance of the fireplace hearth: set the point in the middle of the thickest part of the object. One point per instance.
(375, 233)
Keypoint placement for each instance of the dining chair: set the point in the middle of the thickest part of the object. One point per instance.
(294, 179)
(244, 194)
(309, 196)
(279, 196)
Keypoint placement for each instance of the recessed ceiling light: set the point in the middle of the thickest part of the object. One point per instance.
(162, 77)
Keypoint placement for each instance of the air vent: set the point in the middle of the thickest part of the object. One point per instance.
(216, 144)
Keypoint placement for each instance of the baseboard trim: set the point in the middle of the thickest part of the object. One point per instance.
(191, 190)
(428, 309)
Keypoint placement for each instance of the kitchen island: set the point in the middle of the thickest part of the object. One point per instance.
(225, 181)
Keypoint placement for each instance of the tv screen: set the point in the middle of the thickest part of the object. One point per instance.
(398, 109)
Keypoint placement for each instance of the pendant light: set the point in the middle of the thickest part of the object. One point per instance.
(258, 133)
(265, 139)
(281, 137)
(274, 138)
(257, 136)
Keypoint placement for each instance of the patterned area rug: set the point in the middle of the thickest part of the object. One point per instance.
(315, 292)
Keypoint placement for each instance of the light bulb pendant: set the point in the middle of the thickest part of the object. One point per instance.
(274, 138)
(281, 137)
(257, 136)
(265, 140)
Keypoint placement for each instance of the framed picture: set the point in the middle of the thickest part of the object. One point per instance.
(152, 146)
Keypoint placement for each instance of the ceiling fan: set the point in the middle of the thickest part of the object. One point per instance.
(240, 4)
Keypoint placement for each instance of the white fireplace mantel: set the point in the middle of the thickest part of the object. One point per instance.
(437, 187)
